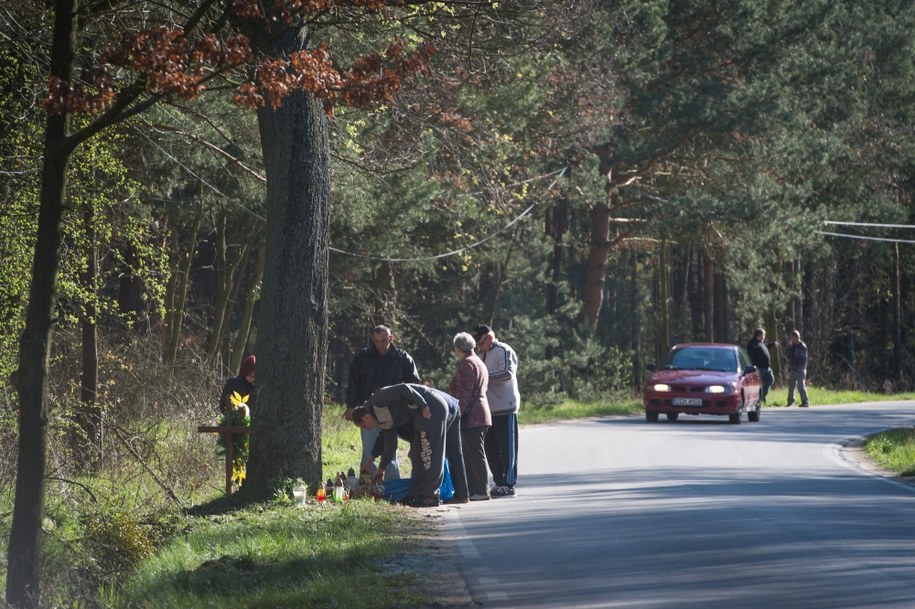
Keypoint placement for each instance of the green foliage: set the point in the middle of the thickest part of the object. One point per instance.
(117, 542)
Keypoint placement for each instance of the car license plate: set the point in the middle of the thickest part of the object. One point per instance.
(686, 401)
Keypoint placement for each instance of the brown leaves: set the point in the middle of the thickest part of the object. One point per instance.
(372, 79)
(171, 65)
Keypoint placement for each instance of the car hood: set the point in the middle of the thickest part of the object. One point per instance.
(692, 376)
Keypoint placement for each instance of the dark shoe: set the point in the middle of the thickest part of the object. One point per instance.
(789, 404)
(423, 502)
(479, 497)
(805, 405)
(456, 500)
(503, 491)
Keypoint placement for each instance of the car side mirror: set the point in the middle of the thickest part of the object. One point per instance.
(749, 369)
(652, 367)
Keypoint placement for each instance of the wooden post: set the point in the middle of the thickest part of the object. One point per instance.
(227, 431)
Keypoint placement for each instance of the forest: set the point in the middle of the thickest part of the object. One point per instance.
(185, 184)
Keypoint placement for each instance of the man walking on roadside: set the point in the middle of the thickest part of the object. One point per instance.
(797, 369)
(758, 351)
(504, 399)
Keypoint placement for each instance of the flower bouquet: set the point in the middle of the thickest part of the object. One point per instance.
(238, 415)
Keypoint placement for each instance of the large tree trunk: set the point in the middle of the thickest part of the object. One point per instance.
(292, 319)
(23, 555)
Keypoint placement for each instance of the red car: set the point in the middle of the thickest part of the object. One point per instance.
(703, 378)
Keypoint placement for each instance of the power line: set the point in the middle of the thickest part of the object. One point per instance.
(864, 237)
(868, 224)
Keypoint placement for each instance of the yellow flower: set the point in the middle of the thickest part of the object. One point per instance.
(237, 399)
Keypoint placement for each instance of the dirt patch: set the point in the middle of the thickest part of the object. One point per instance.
(433, 560)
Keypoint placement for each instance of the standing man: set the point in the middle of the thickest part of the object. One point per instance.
(424, 410)
(504, 401)
(758, 351)
(797, 368)
(379, 365)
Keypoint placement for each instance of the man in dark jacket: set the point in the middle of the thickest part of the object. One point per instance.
(797, 368)
(758, 350)
(379, 365)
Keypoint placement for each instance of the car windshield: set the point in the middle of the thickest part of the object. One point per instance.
(696, 358)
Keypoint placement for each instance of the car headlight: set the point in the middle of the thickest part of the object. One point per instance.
(716, 389)
(661, 387)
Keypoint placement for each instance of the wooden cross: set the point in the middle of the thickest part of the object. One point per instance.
(230, 452)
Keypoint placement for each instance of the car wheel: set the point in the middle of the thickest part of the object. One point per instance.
(673, 416)
(651, 417)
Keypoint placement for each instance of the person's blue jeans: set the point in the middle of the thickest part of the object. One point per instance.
(797, 378)
(368, 441)
(768, 379)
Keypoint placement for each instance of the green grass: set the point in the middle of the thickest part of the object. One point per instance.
(282, 556)
(572, 409)
(894, 450)
(778, 396)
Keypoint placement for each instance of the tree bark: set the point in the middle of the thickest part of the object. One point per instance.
(292, 319)
(178, 286)
(596, 269)
(23, 555)
(247, 314)
(89, 444)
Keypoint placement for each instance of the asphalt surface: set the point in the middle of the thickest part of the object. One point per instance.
(697, 514)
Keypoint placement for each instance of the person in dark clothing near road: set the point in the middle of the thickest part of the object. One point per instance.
(797, 369)
(758, 350)
(434, 421)
(379, 365)
(243, 385)
(454, 447)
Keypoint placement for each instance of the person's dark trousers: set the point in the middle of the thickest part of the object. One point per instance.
(768, 379)
(502, 449)
(427, 451)
(454, 452)
(473, 443)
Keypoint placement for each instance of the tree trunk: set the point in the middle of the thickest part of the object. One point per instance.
(23, 555)
(897, 315)
(596, 269)
(89, 445)
(178, 286)
(292, 320)
(664, 297)
(247, 314)
(708, 292)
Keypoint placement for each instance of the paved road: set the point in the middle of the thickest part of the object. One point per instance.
(696, 514)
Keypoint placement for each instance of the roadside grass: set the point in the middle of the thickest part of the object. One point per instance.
(281, 555)
(893, 449)
(574, 409)
(778, 396)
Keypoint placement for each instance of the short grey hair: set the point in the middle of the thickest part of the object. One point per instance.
(464, 342)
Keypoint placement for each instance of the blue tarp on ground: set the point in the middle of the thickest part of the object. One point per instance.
(395, 490)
